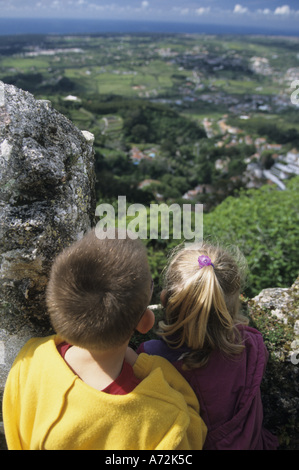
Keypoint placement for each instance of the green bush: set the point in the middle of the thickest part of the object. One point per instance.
(263, 223)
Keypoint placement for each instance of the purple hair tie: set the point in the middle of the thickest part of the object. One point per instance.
(204, 261)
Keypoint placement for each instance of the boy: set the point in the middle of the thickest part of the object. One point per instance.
(75, 390)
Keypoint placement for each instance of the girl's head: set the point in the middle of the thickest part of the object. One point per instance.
(202, 302)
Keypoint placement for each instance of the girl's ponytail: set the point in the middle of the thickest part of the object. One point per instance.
(202, 289)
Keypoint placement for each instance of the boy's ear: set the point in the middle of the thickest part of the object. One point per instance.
(146, 322)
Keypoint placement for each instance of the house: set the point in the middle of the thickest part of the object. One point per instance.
(227, 129)
(200, 189)
(222, 164)
(145, 183)
(292, 157)
(136, 155)
(72, 98)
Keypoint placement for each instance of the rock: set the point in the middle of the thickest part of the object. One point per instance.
(47, 201)
(2, 438)
(275, 313)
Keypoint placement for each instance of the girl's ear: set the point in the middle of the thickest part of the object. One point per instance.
(146, 322)
(163, 297)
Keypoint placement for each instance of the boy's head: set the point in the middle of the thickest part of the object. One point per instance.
(98, 291)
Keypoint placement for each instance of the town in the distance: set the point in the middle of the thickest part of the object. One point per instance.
(175, 117)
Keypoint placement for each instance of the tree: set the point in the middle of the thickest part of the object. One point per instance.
(264, 224)
(139, 133)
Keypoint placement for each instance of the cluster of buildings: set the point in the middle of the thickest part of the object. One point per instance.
(199, 189)
(137, 155)
(284, 164)
(37, 51)
(284, 167)
(261, 66)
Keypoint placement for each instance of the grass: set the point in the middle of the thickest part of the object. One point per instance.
(24, 64)
(114, 84)
(105, 68)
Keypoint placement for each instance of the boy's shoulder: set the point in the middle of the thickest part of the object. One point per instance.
(159, 375)
(35, 355)
(41, 376)
(37, 345)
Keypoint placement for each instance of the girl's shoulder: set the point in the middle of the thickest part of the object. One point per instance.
(158, 347)
(248, 332)
(253, 341)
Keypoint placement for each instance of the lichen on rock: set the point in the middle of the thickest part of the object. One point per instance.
(47, 201)
(275, 313)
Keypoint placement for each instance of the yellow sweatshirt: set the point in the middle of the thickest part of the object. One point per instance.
(46, 406)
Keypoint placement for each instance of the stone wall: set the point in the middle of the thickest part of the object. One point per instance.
(47, 201)
(275, 313)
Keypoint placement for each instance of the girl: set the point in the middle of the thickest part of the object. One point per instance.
(209, 342)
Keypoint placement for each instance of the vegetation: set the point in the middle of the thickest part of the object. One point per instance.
(264, 225)
(156, 94)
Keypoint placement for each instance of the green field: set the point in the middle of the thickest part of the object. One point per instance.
(164, 91)
(151, 67)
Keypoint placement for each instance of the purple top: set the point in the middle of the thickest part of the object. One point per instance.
(228, 391)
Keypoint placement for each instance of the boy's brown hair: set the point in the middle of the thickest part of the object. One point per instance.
(98, 290)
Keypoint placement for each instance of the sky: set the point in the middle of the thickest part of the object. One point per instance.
(270, 13)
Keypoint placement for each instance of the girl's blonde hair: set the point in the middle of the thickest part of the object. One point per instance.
(202, 304)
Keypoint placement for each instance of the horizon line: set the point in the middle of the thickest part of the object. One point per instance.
(250, 29)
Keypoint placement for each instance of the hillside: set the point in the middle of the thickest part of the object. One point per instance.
(175, 117)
